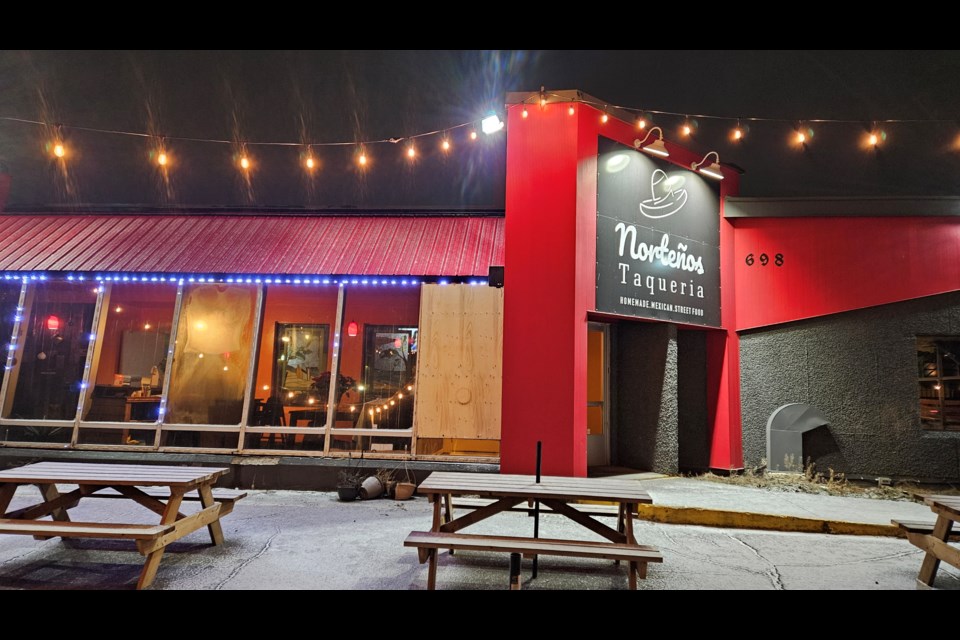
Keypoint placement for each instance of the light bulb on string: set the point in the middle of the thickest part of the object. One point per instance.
(604, 118)
(571, 110)
(802, 135)
(737, 133)
(162, 159)
(362, 159)
(310, 163)
(641, 123)
(411, 152)
(244, 163)
(445, 144)
(473, 135)
(524, 113)
(686, 130)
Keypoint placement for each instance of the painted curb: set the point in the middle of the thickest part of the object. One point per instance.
(763, 521)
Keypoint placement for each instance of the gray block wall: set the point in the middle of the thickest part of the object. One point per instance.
(647, 414)
(860, 369)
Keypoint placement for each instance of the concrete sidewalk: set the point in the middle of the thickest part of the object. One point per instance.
(309, 540)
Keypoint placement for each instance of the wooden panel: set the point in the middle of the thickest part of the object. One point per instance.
(459, 364)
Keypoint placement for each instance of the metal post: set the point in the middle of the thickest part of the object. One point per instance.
(536, 510)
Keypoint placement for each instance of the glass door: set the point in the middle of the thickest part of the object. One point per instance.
(598, 410)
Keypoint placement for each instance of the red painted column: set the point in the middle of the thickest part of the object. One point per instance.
(544, 317)
(723, 355)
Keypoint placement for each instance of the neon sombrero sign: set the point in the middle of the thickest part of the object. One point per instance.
(658, 239)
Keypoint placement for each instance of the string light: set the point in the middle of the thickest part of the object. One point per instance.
(641, 124)
(445, 145)
(411, 152)
(244, 163)
(310, 163)
(473, 135)
(571, 110)
(604, 118)
(737, 133)
(362, 158)
(162, 159)
(59, 150)
(686, 130)
(524, 113)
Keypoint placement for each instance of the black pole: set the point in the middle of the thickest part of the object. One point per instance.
(536, 508)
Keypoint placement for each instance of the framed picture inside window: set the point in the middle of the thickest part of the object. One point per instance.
(300, 355)
(389, 358)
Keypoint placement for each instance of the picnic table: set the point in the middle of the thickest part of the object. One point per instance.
(556, 493)
(161, 489)
(932, 537)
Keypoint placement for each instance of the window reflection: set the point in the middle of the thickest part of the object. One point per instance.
(212, 355)
(51, 352)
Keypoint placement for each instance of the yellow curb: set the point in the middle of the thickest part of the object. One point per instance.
(763, 521)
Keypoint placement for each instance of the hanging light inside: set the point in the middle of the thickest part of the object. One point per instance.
(712, 170)
(657, 147)
(53, 323)
(352, 329)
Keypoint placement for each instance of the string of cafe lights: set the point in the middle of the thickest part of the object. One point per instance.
(160, 153)
(802, 130)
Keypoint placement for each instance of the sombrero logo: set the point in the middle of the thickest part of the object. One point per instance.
(667, 195)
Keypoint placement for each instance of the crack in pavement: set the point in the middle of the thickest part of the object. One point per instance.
(774, 574)
(889, 556)
(243, 565)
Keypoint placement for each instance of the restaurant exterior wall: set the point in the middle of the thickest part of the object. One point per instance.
(860, 369)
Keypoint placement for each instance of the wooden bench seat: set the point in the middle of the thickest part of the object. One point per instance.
(54, 528)
(921, 527)
(227, 496)
(429, 543)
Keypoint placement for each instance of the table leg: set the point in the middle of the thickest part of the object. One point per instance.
(6, 495)
(931, 563)
(448, 512)
(628, 510)
(436, 499)
(206, 499)
(432, 571)
(49, 493)
(153, 559)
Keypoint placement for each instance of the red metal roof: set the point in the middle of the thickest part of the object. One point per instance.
(252, 244)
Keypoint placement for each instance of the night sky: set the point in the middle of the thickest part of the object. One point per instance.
(362, 95)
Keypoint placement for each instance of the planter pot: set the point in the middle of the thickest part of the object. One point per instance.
(347, 494)
(371, 488)
(404, 490)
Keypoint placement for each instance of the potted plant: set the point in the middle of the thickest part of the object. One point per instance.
(404, 490)
(348, 484)
(322, 384)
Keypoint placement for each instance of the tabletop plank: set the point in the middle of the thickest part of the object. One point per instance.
(950, 504)
(111, 474)
(522, 486)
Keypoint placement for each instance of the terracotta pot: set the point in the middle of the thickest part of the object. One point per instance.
(371, 488)
(404, 490)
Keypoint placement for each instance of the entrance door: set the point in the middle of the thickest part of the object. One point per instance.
(598, 394)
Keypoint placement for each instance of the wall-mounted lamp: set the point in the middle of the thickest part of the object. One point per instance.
(656, 147)
(712, 169)
(352, 329)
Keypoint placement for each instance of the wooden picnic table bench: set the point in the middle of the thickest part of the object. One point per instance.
(932, 537)
(556, 493)
(161, 489)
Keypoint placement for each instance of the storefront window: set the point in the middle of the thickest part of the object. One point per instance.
(938, 360)
(50, 354)
(131, 362)
(211, 358)
(293, 367)
(379, 358)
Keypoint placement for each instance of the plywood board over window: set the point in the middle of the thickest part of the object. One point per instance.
(459, 367)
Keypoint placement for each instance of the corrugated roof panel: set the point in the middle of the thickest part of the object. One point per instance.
(163, 243)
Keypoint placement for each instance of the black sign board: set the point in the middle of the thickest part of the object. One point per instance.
(658, 238)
